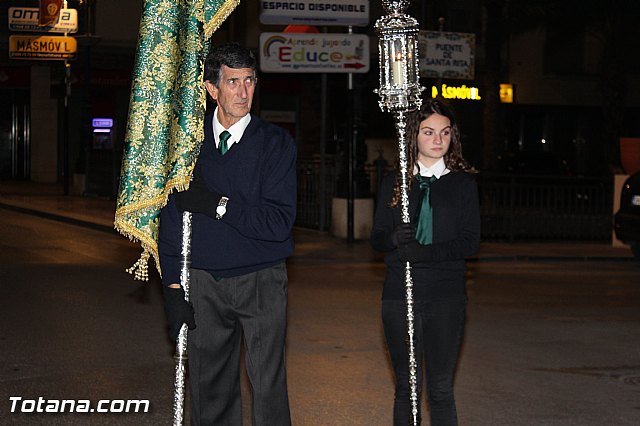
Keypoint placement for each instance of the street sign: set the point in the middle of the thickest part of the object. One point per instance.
(42, 47)
(447, 55)
(314, 53)
(315, 12)
(27, 18)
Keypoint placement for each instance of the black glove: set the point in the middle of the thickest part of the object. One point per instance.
(197, 199)
(403, 234)
(414, 252)
(408, 252)
(177, 310)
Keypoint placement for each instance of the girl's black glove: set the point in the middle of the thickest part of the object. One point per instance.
(403, 234)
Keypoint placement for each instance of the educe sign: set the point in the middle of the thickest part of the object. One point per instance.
(314, 53)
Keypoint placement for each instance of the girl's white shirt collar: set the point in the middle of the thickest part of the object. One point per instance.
(438, 169)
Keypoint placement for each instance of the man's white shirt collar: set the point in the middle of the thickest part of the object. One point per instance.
(237, 130)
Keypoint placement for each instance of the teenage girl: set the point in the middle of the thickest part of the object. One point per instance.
(444, 229)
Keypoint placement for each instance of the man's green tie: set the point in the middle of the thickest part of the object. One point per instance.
(222, 146)
(424, 230)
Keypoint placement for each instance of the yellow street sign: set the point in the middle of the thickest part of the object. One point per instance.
(506, 93)
(42, 47)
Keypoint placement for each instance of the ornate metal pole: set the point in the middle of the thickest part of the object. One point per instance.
(181, 344)
(400, 93)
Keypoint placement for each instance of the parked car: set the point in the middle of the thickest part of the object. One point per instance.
(626, 221)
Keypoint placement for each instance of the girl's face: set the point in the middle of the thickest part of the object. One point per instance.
(434, 138)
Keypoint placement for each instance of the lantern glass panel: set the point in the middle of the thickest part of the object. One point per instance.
(398, 65)
(411, 61)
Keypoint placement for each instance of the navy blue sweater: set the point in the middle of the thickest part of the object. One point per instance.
(258, 175)
(456, 235)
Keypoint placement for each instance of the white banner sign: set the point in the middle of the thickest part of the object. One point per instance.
(315, 12)
(447, 55)
(321, 53)
(26, 19)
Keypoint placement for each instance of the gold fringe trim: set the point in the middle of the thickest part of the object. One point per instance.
(140, 269)
(221, 15)
(179, 183)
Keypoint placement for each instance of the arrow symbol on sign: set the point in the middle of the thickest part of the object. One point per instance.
(356, 65)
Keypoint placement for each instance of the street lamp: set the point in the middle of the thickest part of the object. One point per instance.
(400, 93)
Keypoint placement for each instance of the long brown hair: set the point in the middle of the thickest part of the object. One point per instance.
(452, 159)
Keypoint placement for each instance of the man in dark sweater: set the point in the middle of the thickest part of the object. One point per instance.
(243, 200)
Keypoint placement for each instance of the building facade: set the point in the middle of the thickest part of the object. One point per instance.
(554, 123)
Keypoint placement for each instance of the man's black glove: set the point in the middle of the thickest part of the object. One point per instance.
(197, 199)
(403, 234)
(177, 310)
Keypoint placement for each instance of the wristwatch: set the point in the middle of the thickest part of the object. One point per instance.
(222, 207)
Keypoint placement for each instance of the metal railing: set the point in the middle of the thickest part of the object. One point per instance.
(512, 207)
(316, 188)
(545, 207)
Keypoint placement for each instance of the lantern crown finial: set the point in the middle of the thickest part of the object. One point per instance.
(396, 7)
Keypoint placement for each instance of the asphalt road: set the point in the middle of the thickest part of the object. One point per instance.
(547, 343)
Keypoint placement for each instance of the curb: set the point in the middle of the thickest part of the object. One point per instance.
(475, 259)
(61, 218)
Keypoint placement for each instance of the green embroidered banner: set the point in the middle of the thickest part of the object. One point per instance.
(166, 114)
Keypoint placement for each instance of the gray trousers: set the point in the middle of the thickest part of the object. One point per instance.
(253, 306)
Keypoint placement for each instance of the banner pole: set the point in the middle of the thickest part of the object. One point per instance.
(181, 344)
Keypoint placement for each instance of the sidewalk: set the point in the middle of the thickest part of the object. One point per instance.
(47, 200)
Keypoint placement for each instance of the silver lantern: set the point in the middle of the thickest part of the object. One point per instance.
(399, 78)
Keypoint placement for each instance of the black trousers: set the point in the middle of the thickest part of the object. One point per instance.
(439, 327)
(253, 306)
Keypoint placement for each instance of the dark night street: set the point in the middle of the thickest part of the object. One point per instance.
(530, 109)
(549, 340)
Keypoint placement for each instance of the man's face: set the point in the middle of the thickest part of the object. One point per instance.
(234, 94)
